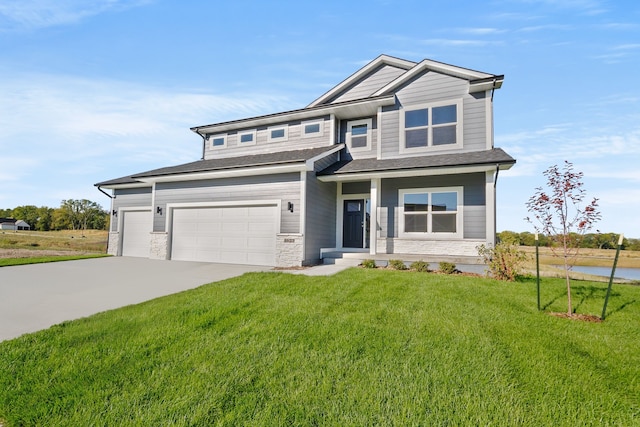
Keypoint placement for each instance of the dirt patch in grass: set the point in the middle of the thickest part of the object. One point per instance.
(577, 316)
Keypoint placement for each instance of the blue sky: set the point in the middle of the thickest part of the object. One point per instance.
(96, 89)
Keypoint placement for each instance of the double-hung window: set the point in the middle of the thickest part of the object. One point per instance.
(436, 126)
(359, 134)
(430, 212)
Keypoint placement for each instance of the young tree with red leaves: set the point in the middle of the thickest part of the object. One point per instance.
(561, 215)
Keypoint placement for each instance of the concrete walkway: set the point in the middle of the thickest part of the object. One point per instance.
(37, 296)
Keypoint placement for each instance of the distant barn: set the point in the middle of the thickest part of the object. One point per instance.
(13, 224)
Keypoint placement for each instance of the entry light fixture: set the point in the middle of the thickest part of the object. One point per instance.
(290, 206)
(159, 210)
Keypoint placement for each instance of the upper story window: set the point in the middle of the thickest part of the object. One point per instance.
(277, 133)
(430, 212)
(312, 128)
(435, 126)
(359, 134)
(247, 138)
(218, 141)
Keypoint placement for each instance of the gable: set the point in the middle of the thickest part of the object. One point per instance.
(369, 84)
(431, 86)
(362, 74)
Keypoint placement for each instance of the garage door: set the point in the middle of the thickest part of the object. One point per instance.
(235, 235)
(136, 226)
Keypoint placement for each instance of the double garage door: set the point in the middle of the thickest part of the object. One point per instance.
(229, 234)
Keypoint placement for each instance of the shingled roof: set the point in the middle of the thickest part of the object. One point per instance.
(210, 165)
(474, 158)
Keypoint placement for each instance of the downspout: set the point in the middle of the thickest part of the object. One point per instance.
(493, 88)
(204, 142)
(495, 203)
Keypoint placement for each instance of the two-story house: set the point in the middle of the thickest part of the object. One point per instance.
(396, 159)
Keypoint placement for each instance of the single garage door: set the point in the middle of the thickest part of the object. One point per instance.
(136, 226)
(229, 234)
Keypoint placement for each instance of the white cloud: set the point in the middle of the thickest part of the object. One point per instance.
(459, 42)
(34, 14)
(535, 150)
(481, 31)
(545, 27)
(70, 133)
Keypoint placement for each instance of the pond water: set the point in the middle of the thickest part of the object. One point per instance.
(621, 273)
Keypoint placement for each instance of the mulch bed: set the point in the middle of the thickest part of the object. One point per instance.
(576, 316)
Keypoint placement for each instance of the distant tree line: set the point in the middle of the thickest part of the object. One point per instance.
(589, 240)
(71, 215)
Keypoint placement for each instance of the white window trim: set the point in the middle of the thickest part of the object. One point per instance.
(280, 139)
(218, 147)
(320, 133)
(350, 125)
(429, 234)
(246, 144)
(459, 127)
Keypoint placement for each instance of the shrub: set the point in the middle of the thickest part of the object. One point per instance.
(368, 263)
(504, 260)
(447, 267)
(397, 264)
(421, 266)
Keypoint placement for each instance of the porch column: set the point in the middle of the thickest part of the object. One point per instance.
(373, 216)
(490, 202)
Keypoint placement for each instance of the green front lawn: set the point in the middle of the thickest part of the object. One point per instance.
(363, 347)
(6, 262)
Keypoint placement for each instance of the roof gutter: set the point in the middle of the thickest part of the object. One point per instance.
(105, 193)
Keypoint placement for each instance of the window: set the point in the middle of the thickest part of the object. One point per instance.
(312, 128)
(434, 212)
(359, 134)
(247, 138)
(277, 133)
(218, 141)
(434, 126)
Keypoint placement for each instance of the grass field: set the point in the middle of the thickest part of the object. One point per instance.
(363, 347)
(6, 262)
(588, 257)
(68, 240)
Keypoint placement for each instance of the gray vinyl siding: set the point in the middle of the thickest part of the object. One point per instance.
(294, 141)
(474, 204)
(130, 197)
(475, 122)
(321, 217)
(434, 87)
(390, 132)
(365, 87)
(284, 187)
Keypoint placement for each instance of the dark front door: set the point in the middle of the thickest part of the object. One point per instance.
(353, 223)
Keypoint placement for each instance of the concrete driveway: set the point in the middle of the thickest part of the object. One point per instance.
(37, 296)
